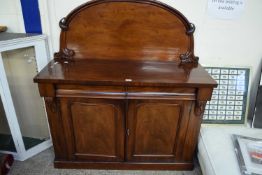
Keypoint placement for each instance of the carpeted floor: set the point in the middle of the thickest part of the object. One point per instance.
(42, 164)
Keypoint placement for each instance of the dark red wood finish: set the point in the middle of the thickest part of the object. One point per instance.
(155, 128)
(95, 129)
(115, 73)
(125, 91)
(111, 31)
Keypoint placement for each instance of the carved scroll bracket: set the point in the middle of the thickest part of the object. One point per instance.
(65, 53)
(63, 24)
(51, 104)
(191, 29)
(200, 108)
(188, 57)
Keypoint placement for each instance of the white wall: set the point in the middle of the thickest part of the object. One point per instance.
(11, 15)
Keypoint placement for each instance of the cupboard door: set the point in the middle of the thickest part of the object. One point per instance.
(94, 129)
(156, 129)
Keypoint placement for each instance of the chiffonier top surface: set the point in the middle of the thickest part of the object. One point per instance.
(137, 73)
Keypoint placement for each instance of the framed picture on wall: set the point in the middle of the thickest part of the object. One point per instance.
(229, 100)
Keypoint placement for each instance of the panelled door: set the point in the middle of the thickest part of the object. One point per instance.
(156, 129)
(93, 128)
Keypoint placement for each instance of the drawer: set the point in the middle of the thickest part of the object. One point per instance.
(121, 92)
(161, 93)
(112, 92)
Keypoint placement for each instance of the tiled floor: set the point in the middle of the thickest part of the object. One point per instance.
(42, 164)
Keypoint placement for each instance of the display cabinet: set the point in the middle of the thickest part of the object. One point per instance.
(24, 129)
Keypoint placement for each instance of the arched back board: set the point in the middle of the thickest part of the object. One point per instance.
(126, 30)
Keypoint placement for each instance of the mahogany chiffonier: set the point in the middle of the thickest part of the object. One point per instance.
(125, 90)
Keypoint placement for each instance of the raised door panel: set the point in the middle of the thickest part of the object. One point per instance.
(155, 131)
(94, 129)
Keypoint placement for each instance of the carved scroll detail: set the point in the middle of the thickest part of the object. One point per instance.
(191, 30)
(51, 104)
(200, 108)
(63, 24)
(188, 57)
(65, 54)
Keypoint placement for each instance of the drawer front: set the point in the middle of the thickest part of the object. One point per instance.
(161, 93)
(105, 92)
(122, 92)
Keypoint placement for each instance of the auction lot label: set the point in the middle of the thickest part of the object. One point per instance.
(225, 9)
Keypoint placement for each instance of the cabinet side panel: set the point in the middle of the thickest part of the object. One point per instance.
(192, 134)
(183, 130)
(56, 127)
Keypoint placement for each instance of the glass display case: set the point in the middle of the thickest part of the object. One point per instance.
(24, 129)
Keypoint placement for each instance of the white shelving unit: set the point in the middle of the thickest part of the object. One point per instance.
(13, 102)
